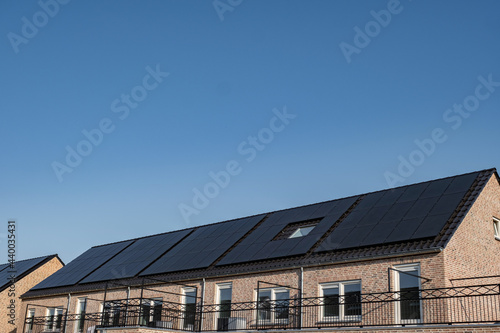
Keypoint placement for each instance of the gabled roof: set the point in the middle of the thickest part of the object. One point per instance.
(21, 268)
(404, 220)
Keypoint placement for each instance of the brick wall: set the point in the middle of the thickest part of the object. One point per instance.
(473, 250)
(22, 286)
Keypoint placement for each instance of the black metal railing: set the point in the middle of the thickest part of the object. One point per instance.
(459, 305)
(81, 323)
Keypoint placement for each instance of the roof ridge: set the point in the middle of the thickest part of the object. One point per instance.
(40, 257)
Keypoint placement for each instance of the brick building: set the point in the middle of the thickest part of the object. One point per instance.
(15, 280)
(419, 257)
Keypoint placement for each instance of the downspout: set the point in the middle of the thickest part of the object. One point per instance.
(301, 295)
(202, 302)
(126, 304)
(67, 310)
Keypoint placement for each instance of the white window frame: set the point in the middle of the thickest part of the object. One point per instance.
(342, 317)
(79, 302)
(152, 303)
(219, 287)
(112, 311)
(183, 302)
(52, 326)
(413, 268)
(273, 319)
(496, 228)
(31, 314)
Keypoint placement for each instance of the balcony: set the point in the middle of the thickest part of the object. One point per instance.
(443, 306)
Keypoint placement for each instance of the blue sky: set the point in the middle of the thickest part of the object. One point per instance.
(303, 101)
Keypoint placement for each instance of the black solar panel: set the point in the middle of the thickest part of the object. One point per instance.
(260, 244)
(304, 245)
(370, 200)
(390, 197)
(136, 257)
(398, 210)
(380, 232)
(431, 226)
(401, 214)
(413, 192)
(461, 183)
(404, 230)
(83, 265)
(333, 241)
(202, 247)
(421, 207)
(20, 268)
(352, 219)
(436, 188)
(355, 237)
(373, 216)
(326, 208)
(447, 203)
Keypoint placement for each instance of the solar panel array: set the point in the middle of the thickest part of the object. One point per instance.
(406, 213)
(203, 246)
(83, 265)
(20, 268)
(136, 257)
(260, 244)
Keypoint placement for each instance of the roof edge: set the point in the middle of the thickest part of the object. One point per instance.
(33, 268)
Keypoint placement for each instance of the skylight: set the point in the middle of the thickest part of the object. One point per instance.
(301, 232)
(296, 229)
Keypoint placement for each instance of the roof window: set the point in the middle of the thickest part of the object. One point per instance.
(297, 229)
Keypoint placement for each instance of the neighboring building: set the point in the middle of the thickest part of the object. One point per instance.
(419, 256)
(17, 279)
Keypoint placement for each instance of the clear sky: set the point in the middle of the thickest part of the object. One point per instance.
(118, 115)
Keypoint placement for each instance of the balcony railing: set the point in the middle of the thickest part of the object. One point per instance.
(446, 306)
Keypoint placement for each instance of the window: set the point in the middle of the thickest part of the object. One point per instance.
(301, 232)
(112, 311)
(29, 322)
(151, 310)
(224, 299)
(297, 229)
(80, 310)
(407, 281)
(54, 319)
(106, 314)
(341, 301)
(496, 228)
(189, 301)
(117, 310)
(273, 305)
